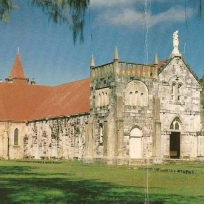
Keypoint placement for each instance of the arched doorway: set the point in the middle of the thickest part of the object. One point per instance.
(136, 143)
(175, 141)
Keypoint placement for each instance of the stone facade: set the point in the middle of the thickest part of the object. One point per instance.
(137, 113)
(179, 91)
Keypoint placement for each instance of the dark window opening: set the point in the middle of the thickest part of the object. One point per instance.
(16, 137)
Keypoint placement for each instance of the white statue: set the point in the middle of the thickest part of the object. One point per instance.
(175, 51)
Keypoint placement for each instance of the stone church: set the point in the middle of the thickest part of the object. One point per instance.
(123, 114)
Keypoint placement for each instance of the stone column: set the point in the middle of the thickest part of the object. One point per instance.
(119, 121)
(89, 142)
(5, 145)
(111, 137)
(157, 129)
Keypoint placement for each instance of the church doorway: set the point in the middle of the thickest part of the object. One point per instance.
(135, 143)
(175, 145)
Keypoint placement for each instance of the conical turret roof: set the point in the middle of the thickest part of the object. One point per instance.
(116, 57)
(92, 63)
(17, 70)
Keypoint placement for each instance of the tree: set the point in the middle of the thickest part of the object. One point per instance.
(71, 12)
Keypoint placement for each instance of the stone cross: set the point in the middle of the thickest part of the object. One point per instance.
(175, 51)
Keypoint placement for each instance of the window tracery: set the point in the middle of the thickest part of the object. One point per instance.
(176, 124)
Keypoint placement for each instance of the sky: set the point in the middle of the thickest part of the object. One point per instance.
(49, 55)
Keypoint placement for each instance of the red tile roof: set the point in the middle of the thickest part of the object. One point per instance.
(160, 63)
(21, 102)
(66, 99)
(17, 70)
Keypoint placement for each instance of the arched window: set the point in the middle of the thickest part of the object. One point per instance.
(176, 124)
(179, 88)
(131, 98)
(179, 91)
(16, 136)
(99, 100)
(136, 94)
(105, 99)
(176, 90)
(136, 97)
(173, 90)
(102, 97)
(101, 133)
(142, 101)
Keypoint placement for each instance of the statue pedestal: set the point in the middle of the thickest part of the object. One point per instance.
(176, 52)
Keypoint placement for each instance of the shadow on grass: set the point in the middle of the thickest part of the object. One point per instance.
(26, 170)
(17, 170)
(67, 190)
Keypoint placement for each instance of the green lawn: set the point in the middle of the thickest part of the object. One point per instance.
(75, 182)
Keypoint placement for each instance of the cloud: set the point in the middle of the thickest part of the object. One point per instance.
(109, 3)
(131, 17)
(126, 3)
(174, 14)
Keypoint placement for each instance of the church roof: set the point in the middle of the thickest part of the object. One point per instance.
(17, 70)
(66, 99)
(22, 102)
(19, 101)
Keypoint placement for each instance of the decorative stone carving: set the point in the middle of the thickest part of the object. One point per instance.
(175, 51)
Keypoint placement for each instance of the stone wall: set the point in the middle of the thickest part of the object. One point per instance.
(8, 148)
(61, 138)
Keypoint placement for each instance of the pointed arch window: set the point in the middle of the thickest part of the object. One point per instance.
(101, 133)
(176, 91)
(16, 136)
(173, 90)
(176, 124)
(179, 91)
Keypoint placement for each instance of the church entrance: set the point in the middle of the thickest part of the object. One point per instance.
(175, 145)
(135, 144)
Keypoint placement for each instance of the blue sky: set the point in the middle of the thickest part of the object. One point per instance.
(49, 55)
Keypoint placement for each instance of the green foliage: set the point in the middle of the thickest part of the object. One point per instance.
(6, 8)
(34, 181)
(71, 12)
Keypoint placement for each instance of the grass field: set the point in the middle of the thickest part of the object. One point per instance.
(75, 182)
